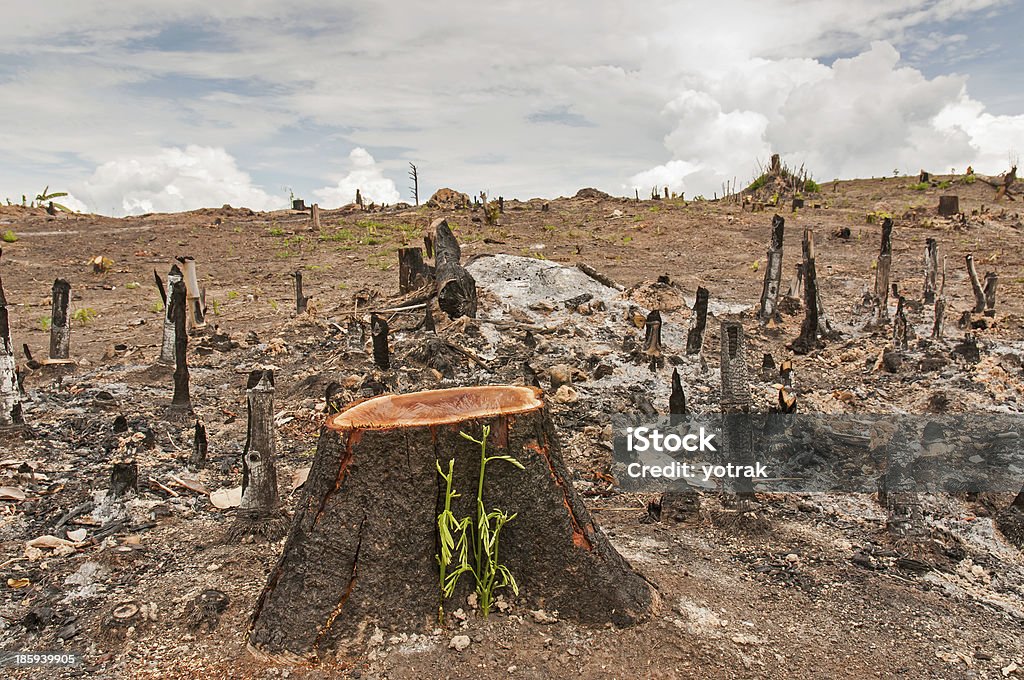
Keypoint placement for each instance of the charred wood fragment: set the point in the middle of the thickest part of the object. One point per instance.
(200, 445)
(412, 271)
(979, 292)
(677, 398)
(991, 280)
(301, 301)
(808, 339)
(652, 340)
(931, 269)
(124, 478)
(10, 387)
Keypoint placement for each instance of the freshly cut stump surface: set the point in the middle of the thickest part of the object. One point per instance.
(360, 553)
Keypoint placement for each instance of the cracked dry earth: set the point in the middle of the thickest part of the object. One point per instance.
(803, 586)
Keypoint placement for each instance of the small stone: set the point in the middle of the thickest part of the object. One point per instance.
(792, 558)
(566, 395)
(459, 643)
(560, 374)
(541, 616)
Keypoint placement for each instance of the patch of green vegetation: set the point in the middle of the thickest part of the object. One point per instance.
(275, 231)
(921, 186)
(9, 236)
(812, 187)
(84, 315)
(549, 227)
(970, 179)
(44, 323)
(157, 307)
(232, 294)
(286, 253)
(627, 239)
(131, 285)
(757, 183)
(215, 307)
(877, 216)
(945, 184)
(273, 304)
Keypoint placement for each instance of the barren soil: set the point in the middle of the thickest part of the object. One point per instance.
(805, 586)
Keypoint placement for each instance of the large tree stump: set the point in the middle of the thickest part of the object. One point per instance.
(167, 346)
(361, 550)
(698, 322)
(931, 269)
(260, 510)
(882, 268)
(808, 339)
(10, 391)
(769, 310)
(413, 272)
(949, 205)
(456, 288)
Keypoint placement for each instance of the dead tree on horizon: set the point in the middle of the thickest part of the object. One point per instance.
(415, 188)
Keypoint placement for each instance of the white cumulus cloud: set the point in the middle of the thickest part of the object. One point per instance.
(172, 180)
(366, 176)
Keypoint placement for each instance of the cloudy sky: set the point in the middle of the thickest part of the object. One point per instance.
(162, 105)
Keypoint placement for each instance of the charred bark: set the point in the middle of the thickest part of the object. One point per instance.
(652, 340)
(167, 348)
(10, 390)
(412, 271)
(991, 280)
(361, 550)
(314, 216)
(60, 326)
(260, 510)
(949, 205)
(769, 310)
(197, 315)
(900, 328)
(979, 292)
(301, 301)
(181, 401)
(677, 398)
(931, 269)
(808, 339)
(699, 321)
(200, 446)
(124, 478)
(381, 351)
(456, 288)
(882, 270)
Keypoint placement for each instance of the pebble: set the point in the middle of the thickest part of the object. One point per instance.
(459, 643)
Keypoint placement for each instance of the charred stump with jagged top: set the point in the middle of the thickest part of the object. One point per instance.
(698, 322)
(360, 554)
(60, 326)
(260, 510)
(808, 339)
(10, 390)
(769, 309)
(456, 288)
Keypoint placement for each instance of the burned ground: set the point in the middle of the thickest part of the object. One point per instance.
(803, 586)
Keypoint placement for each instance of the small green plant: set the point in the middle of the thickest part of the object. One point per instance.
(232, 294)
(46, 197)
(215, 307)
(482, 536)
(945, 184)
(44, 323)
(970, 179)
(275, 231)
(84, 315)
(131, 285)
(9, 236)
(920, 186)
(273, 304)
(811, 187)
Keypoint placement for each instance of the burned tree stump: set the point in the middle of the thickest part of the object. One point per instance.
(10, 389)
(991, 280)
(200, 446)
(931, 269)
(412, 271)
(652, 340)
(882, 269)
(381, 351)
(900, 328)
(949, 205)
(181, 401)
(301, 301)
(167, 348)
(314, 217)
(808, 340)
(456, 288)
(677, 398)
(197, 314)
(699, 321)
(769, 310)
(60, 328)
(979, 292)
(124, 478)
(260, 510)
(737, 432)
(361, 551)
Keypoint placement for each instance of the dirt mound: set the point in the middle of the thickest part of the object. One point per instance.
(447, 199)
(590, 192)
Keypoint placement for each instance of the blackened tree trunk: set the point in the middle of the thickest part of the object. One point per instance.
(124, 478)
(456, 288)
(882, 270)
(949, 205)
(900, 328)
(769, 310)
(197, 314)
(938, 325)
(167, 348)
(260, 510)
(60, 321)
(808, 339)
(182, 401)
(381, 351)
(979, 292)
(412, 271)
(200, 446)
(652, 340)
(301, 301)
(677, 398)
(361, 552)
(314, 216)
(699, 321)
(931, 269)
(10, 391)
